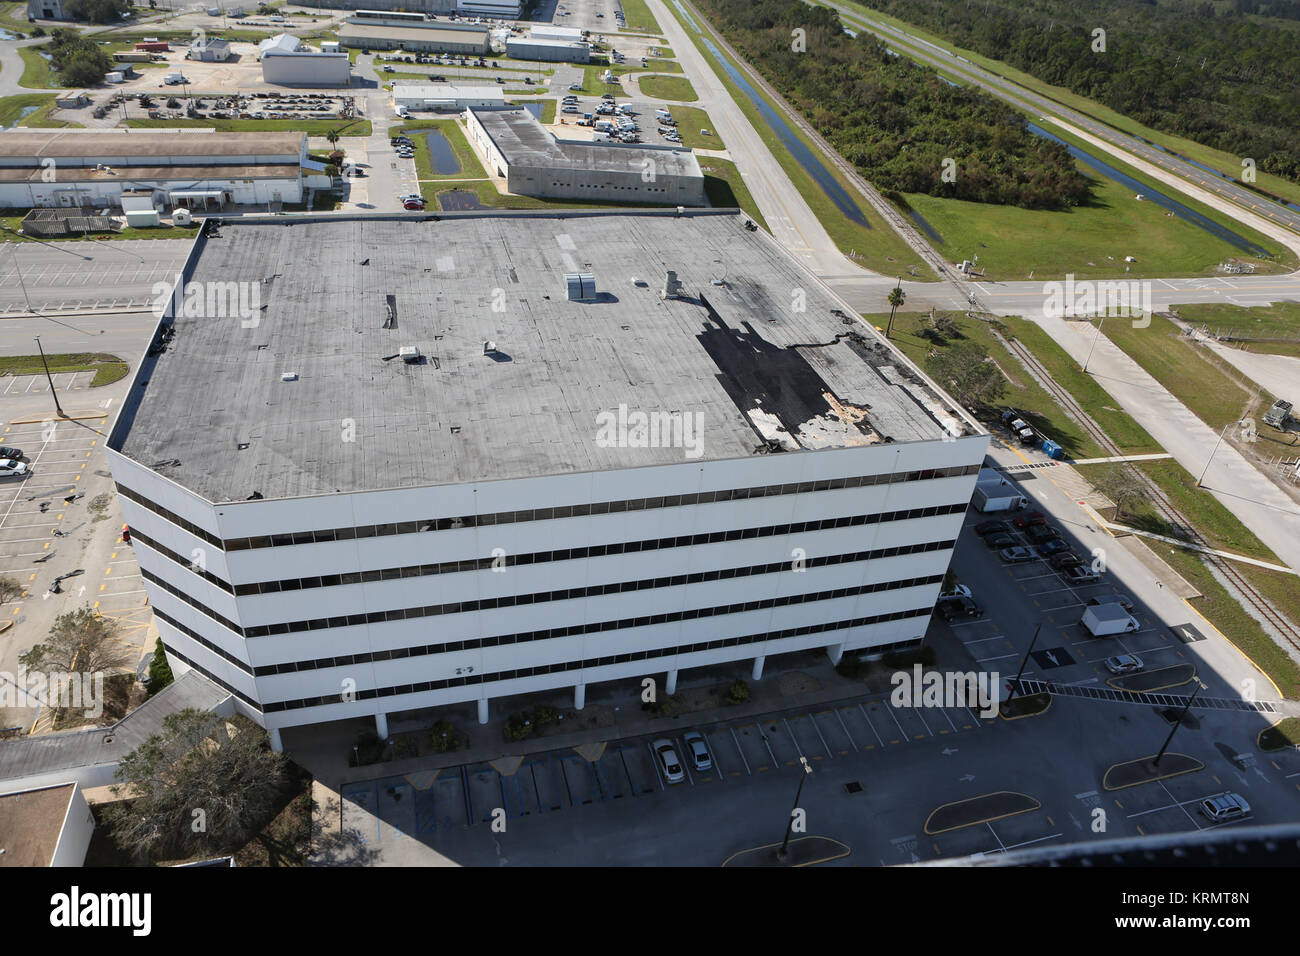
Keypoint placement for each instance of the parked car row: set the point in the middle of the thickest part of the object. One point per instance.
(697, 750)
(1041, 540)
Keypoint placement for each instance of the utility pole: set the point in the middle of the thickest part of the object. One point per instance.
(57, 407)
(1177, 723)
(1015, 684)
(1206, 469)
(789, 827)
(1100, 322)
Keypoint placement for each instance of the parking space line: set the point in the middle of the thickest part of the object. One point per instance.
(740, 751)
(874, 732)
(901, 733)
(846, 728)
(763, 737)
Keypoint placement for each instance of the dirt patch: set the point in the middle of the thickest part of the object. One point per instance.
(797, 682)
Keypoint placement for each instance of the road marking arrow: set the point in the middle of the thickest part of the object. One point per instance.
(969, 778)
(949, 751)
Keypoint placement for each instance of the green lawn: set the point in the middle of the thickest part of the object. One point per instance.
(1131, 437)
(107, 368)
(37, 72)
(1267, 328)
(13, 17)
(1022, 392)
(11, 109)
(668, 88)
(877, 247)
(470, 167)
(1092, 240)
(725, 187)
(638, 17)
(312, 127)
(1187, 370)
(593, 85)
(1284, 734)
(690, 120)
(1216, 159)
(548, 108)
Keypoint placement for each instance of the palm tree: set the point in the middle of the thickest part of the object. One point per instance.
(332, 136)
(896, 298)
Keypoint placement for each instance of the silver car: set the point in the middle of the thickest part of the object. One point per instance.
(1225, 807)
(668, 762)
(1124, 664)
(697, 750)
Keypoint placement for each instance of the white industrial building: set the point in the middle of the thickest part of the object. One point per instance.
(193, 168)
(280, 43)
(432, 37)
(517, 147)
(446, 97)
(649, 461)
(209, 50)
(497, 9)
(547, 31)
(305, 67)
(548, 50)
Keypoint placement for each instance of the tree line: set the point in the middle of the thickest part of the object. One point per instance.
(1220, 74)
(900, 124)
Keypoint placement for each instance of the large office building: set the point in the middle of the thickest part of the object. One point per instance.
(178, 167)
(517, 147)
(445, 460)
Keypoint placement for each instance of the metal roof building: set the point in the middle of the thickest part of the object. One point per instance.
(548, 50)
(448, 97)
(431, 39)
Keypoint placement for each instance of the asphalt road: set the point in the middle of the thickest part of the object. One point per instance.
(928, 53)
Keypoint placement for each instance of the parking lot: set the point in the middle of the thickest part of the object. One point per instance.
(73, 276)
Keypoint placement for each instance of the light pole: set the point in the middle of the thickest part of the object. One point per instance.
(1177, 723)
(1015, 684)
(789, 827)
(1206, 470)
(18, 270)
(57, 407)
(1100, 321)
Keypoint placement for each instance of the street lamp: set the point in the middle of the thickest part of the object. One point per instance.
(1206, 470)
(1100, 321)
(789, 827)
(1015, 685)
(57, 407)
(1177, 723)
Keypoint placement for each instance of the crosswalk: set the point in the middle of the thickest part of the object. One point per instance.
(1150, 700)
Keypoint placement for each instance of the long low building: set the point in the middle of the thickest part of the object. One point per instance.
(431, 39)
(498, 9)
(651, 459)
(195, 168)
(548, 50)
(447, 97)
(535, 163)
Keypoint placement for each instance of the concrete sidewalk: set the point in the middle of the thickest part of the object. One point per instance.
(1259, 504)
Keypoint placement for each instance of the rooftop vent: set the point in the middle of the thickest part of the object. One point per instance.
(288, 376)
(409, 354)
(489, 348)
(580, 286)
(391, 321)
(672, 288)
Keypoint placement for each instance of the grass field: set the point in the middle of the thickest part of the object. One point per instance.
(1092, 240)
(11, 110)
(107, 368)
(1215, 159)
(725, 187)
(470, 167)
(1285, 733)
(639, 18)
(1131, 437)
(593, 85)
(312, 127)
(690, 120)
(668, 88)
(37, 72)
(1187, 370)
(879, 247)
(1276, 327)
(1022, 392)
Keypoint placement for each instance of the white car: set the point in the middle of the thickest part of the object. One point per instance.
(668, 762)
(1124, 664)
(698, 750)
(13, 469)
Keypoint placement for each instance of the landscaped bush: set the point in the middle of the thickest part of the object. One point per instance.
(738, 692)
(443, 737)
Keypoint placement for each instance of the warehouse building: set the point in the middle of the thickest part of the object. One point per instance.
(280, 43)
(469, 39)
(547, 31)
(498, 9)
(548, 50)
(534, 163)
(306, 67)
(445, 97)
(538, 499)
(192, 168)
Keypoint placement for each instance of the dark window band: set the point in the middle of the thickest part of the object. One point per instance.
(200, 639)
(544, 514)
(646, 655)
(215, 679)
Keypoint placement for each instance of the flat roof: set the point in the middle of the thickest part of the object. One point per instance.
(524, 141)
(96, 144)
(86, 174)
(379, 31)
(734, 353)
(548, 42)
(448, 91)
(30, 824)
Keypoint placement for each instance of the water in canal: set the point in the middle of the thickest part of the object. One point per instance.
(1160, 199)
(802, 154)
(444, 158)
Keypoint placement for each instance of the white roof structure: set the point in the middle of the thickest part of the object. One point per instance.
(549, 32)
(281, 43)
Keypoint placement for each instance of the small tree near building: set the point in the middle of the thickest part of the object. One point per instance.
(1122, 484)
(10, 589)
(80, 641)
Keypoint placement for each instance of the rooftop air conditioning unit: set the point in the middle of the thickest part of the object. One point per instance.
(409, 354)
(672, 288)
(580, 286)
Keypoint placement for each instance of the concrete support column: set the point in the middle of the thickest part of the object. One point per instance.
(483, 711)
(670, 685)
(381, 726)
(579, 696)
(275, 741)
(758, 668)
(836, 653)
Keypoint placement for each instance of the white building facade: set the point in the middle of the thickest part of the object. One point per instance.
(322, 608)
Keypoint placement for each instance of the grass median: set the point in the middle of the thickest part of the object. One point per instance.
(107, 368)
(312, 127)
(1265, 328)
(674, 88)
(725, 187)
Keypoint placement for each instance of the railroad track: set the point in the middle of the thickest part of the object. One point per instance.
(1246, 592)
